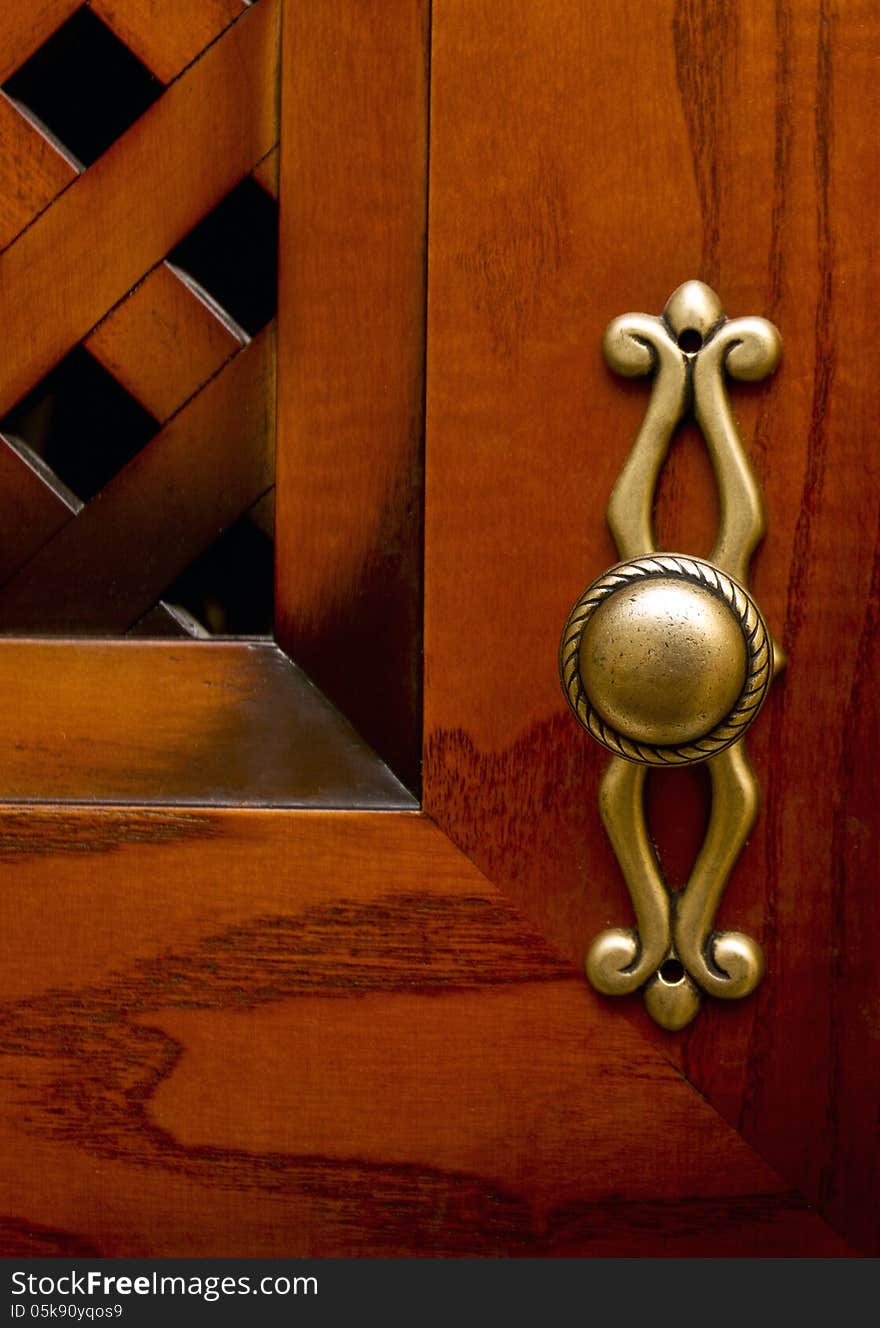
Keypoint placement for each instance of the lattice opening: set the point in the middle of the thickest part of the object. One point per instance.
(232, 255)
(84, 85)
(229, 589)
(81, 423)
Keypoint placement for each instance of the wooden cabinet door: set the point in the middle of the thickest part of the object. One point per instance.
(585, 160)
(258, 999)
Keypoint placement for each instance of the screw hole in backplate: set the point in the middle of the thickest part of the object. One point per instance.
(672, 972)
(690, 341)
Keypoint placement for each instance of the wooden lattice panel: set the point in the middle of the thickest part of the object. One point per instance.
(83, 265)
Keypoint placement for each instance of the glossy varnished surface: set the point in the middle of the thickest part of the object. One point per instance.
(104, 568)
(23, 31)
(740, 156)
(161, 343)
(149, 188)
(214, 1069)
(165, 34)
(252, 1031)
(188, 722)
(34, 168)
(85, 262)
(354, 126)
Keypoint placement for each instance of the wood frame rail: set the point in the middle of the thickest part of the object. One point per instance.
(457, 1088)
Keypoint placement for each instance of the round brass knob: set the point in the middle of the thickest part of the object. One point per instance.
(666, 659)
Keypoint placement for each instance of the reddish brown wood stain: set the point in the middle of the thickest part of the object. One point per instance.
(128, 1050)
(352, 340)
(162, 343)
(22, 31)
(166, 35)
(739, 155)
(148, 189)
(211, 462)
(210, 1017)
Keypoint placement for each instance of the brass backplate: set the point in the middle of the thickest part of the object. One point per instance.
(666, 658)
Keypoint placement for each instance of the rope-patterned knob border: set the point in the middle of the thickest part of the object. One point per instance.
(759, 657)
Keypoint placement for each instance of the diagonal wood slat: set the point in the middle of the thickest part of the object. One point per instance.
(24, 27)
(32, 171)
(529, 1126)
(89, 248)
(162, 343)
(165, 34)
(212, 462)
(32, 510)
(159, 340)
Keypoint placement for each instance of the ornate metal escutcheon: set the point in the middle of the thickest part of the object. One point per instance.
(666, 659)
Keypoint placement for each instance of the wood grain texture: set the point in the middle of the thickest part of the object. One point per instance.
(351, 337)
(349, 968)
(33, 509)
(739, 155)
(107, 566)
(167, 34)
(183, 722)
(127, 211)
(162, 343)
(32, 171)
(24, 28)
(248, 1031)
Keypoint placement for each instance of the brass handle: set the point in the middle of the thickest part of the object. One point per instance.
(666, 658)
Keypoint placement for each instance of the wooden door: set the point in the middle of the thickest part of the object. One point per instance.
(258, 1000)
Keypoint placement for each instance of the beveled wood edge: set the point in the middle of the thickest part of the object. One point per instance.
(207, 809)
(219, 723)
(344, 616)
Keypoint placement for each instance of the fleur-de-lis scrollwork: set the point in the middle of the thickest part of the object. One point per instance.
(674, 952)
